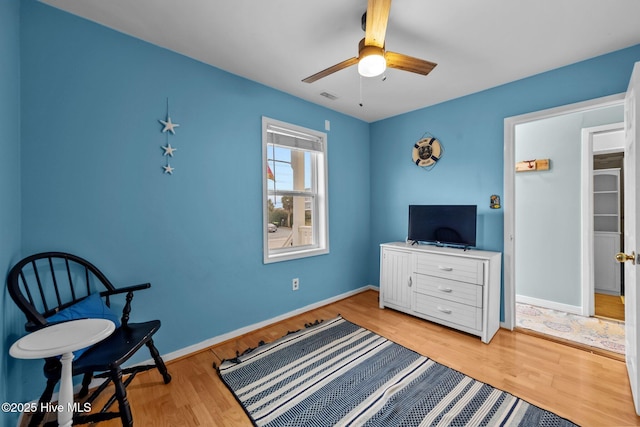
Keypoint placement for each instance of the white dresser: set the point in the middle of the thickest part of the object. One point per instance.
(449, 286)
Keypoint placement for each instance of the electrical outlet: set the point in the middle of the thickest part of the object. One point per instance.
(295, 284)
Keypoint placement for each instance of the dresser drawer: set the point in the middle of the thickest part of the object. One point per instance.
(453, 312)
(449, 267)
(450, 290)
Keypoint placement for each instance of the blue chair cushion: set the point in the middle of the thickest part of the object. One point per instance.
(92, 307)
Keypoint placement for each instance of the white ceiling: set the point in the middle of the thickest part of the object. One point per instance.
(476, 44)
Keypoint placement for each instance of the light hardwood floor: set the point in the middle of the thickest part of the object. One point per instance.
(609, 306)
(588, 389)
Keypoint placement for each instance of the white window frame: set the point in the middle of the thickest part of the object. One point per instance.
(317, 143)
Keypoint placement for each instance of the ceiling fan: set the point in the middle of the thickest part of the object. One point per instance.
(372, 58)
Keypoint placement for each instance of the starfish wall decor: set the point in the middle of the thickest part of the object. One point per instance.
(169, 127)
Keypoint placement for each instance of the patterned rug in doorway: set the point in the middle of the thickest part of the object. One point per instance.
(592, 331)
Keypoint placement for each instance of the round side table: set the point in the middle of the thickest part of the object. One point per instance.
(62, 339)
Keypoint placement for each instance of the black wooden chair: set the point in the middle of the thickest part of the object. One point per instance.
(56, 286)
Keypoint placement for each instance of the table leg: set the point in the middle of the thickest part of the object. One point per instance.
(65, 394)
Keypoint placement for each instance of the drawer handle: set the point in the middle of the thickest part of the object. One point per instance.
(410, 281)
(441, 267)
(444, 310)
(440, 288)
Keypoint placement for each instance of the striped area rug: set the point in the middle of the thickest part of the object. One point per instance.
(337, 373)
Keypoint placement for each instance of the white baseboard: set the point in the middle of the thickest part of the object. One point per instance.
(238, 332)
(573, 309)
(233, 334)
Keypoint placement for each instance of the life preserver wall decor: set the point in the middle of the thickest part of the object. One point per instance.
(427, 151)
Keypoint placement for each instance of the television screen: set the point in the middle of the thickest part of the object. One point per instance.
(453, 225)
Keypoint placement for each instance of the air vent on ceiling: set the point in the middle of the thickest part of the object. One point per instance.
(329, 96)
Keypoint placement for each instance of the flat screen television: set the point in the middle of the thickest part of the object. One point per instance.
(447, 225)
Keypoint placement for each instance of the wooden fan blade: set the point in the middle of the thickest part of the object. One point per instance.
(408, 63)
(324, 73)
(377, 18)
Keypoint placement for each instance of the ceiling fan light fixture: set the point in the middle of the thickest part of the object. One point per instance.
(372, 57)
(372, 62)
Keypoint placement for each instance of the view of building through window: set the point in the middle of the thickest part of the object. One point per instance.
(290, 215)
(295, 192)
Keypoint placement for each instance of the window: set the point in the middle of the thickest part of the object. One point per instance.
(294, 182)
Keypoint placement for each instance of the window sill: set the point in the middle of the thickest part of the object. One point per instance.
(293, 254)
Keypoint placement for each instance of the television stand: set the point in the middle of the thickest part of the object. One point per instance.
(449, 286)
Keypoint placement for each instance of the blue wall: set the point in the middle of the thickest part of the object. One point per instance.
(93, 183)
(471, 130)
(10, 323)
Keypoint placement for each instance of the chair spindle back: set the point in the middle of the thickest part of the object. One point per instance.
(45, 283)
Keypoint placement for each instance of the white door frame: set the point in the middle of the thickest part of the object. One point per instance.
(586, 212)
(508, 204)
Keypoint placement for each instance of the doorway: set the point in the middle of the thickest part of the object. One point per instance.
(551, 259)
(603, 219)
(608, 169)
(631, 218)
(554, 223)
